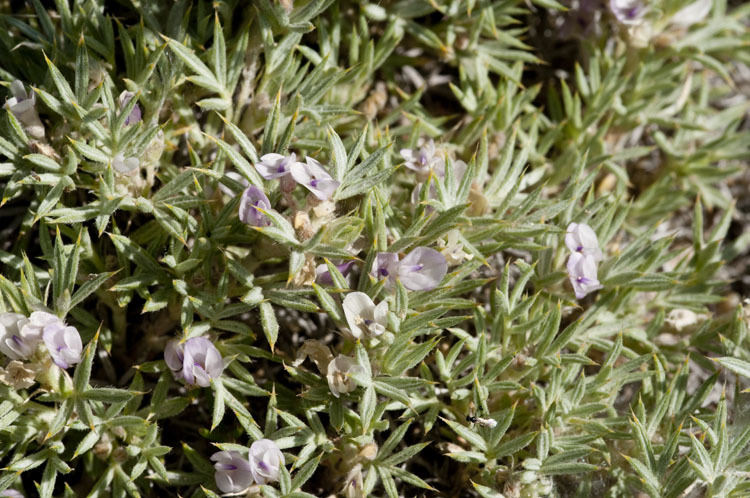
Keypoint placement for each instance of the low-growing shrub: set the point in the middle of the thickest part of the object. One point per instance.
(401, 248)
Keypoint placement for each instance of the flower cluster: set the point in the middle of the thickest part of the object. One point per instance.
(20, 337)
(309, 174)
(234, 474)
(585, 253)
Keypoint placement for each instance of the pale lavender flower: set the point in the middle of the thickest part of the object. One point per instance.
(233, 473)
(266, 461)
(579, 237)
(252, 199)
(693, 13)
(11, 493)
(275, 165)
(314, 178)
(628, 12)
(15, 342)
(582, 273)
(363, 317)
(422, 269)
(135, 114)
(323, 276)
(423, 159)
(37, 322)
(63, 343)
(201, 362)
(23, 107)
(174, 356)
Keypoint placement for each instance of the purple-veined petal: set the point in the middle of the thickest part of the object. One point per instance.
(266, 460)
(385, 265)
(323, 276)
(314, 178)
(422, 269)
(628, 12)
(583, 274)
(233, 473)
(579, 237)
(273, 165)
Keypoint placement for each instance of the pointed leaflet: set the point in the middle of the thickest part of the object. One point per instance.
(83, 370)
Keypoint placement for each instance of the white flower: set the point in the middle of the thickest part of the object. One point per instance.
(693, 13)
(318, 354)
(354, 483)
(363, 317)
(23, 108)
(266, 460)
(339, 379)
(128, 166)
(18, 375)
(15, 342)
(453, 249)
(681, 318)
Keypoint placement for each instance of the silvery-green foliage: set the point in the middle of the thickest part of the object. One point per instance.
(397, 248)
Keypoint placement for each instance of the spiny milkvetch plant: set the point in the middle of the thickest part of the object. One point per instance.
(399, 248)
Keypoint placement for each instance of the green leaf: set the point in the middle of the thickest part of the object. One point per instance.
(83, 370)
(205, 78)
(89, 287)
(305, 472)
(108, 395)
(338, 154)
(472, 437)
(736, 365)
(269, 323)
(218, 412)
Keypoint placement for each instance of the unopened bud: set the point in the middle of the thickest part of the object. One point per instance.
(369, 451)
